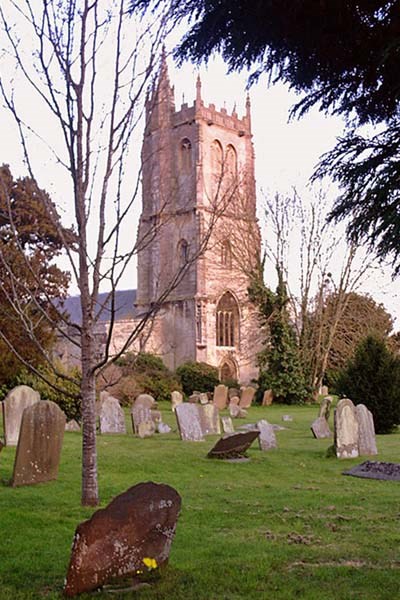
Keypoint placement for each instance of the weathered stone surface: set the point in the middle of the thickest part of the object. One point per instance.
(194, 398)
(72, 426)
(137, 525)
(234, 410)
(146, 429)
(325, 407)
(39, 444)
(145, 400)
(320, 428)
(376, 470)
(188, 420)
(234, 401)
(140, 414)
(227, 425)
(203, 398)
(176, 398)
(163, 427)
(246, 397)
(267, 439)
(268, 398)
(233, 446)
(111, 416)
(346, 429)
(13, 406)
(366, 431)
(156, 416)
(233, 393)
(220, 396)
(209, 419)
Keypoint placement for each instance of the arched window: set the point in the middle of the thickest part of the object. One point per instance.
(227, 321)
(230, 171)
(185, 156)
(226, 254)
(216, 158)
(183, 252)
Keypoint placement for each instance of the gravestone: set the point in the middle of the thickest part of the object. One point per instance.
(209, 419)
(188, 420)
(227, 425)
(346, 429)
(267, 439)
(176, 398)
(320, 428)
(156, 416)
(233, 446)
(325, 407)
(146, 429)
(72, 426)
(117, 540)
(163, 427)
(220, 399)
(14, 404)
(267, 398)
(246, 397)
(194, 398)
(324, 390)
(39, 444)
(112, 417)
(203, 398)
(366, 431)
(233, 392)
(141, 414)
(145, 400)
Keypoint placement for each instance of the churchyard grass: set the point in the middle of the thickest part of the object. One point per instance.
(285, 525)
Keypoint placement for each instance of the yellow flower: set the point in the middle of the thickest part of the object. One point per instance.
(150, 563)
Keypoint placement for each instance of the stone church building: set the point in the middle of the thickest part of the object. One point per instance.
(198, 236)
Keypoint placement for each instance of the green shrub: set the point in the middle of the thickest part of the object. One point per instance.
(68, 400)
(197, 376)
(372, 378)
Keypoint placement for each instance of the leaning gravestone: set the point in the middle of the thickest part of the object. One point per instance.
(209, 419)
(246, 397)
(366, 431)
(14, 404)
(325, 407)
(220, 399)
(346, 429)
(267, 439)
(117, 541)
(233, 446)
(227, 425)
(267, 398)
(188, 419)
(39, 444)
(320, 428)
(141, 414)
(176, 398)
(112, 417)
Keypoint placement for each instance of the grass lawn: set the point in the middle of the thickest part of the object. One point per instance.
(287, 524)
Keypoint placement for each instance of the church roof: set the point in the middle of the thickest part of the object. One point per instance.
(124, 306)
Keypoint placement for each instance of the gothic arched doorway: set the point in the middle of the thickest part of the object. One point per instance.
(228, 371)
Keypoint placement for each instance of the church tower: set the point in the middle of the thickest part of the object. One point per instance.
(198, 234)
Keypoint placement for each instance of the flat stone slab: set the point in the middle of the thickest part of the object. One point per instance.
(234, 446)
(376, 470)
(138, 526)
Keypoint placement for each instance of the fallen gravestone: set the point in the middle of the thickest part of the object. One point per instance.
(209, 419)
(72, 426)
(325, 407)
(14, 404)
(268, 398)
(366, 431)
(233, 446)
(227, 425)
(246, 397)
(267, 439)
(346, 429)
(176, 398)
(376, 470)
(220, 398)
(287, 418)
(111, 416)
(39, 444)
(320, 428)
(188, 420)
(120, 540)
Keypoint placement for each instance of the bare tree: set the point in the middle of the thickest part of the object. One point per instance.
(87, 67)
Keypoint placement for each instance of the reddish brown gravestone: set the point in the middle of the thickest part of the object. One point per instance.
(39, 444)
(138, 524)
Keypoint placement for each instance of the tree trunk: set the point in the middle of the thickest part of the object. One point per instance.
(90, 492)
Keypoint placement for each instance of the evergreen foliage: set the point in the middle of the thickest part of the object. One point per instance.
(197, 376)
(372, 378)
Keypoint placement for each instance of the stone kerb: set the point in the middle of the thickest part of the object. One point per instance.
(366, 431)
(39, 445)
(112, 417)
(346, 429)
(14, 404)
